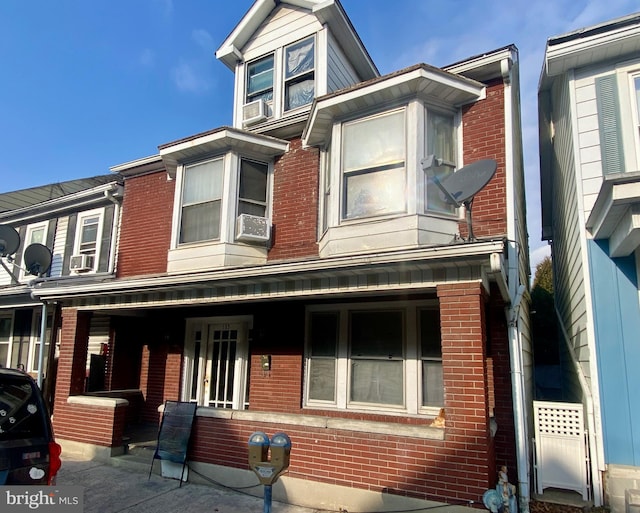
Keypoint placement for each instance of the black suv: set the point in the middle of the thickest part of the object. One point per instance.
(28, 451)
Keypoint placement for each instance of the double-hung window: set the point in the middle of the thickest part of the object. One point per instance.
(260, 80)
(299, 78)
(252, 191)
(441, 142)
(383, 358)
(201, 201)
(373, 165)
(88, 237)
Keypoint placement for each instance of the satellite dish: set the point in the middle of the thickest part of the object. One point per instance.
(9, 240)
(459, 188)
(37, 259)
(467, 181)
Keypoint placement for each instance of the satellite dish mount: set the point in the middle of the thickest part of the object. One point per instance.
(460, 188)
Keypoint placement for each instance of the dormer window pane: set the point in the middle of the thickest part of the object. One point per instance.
(260, 79)
(299, 74)
(201, 202)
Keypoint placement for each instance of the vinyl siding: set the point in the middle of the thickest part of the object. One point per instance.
(59, 247)
(568, 267)
(286, 25)
(340, 72)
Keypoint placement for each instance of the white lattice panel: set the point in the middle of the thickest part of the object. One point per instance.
(560, 447)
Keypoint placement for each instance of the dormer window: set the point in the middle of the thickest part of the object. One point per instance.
(299, 80)
(260, 80)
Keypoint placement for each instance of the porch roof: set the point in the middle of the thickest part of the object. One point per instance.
(376, 273)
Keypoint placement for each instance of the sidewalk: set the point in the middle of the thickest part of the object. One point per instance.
(109, 489)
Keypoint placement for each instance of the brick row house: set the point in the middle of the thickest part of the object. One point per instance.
(77, 221)
(301, 271)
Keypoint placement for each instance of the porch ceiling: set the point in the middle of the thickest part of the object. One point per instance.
(380, 273)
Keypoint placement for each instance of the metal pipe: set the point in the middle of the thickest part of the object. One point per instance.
(43, 334)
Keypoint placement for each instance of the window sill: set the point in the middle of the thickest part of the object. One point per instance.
(314, 421)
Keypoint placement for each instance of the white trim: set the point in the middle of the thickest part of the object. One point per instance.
(55, 289)
(592, 393)
(411, 358)
(44, 225)
(629, 116)
(99, 212)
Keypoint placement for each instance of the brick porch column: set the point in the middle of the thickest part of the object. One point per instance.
(72, 362)
(462, 322)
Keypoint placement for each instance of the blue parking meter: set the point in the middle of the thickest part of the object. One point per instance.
(269, 469)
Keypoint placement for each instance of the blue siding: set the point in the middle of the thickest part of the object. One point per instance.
(617, 328)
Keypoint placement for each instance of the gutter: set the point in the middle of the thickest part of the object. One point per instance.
(51, 289)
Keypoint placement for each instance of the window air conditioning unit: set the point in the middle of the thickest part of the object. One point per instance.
(253, 228)
(81, 263)
(254, 112)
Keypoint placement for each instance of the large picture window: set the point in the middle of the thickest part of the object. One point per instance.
(299, 79)
(373, 165)
(201, 201)
(387, 357)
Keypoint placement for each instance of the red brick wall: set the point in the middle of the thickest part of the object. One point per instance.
(295, 203)
(145, 235)
(159, 378)
(462, 466)
(503, 409)
(484, 138)
(82, 423)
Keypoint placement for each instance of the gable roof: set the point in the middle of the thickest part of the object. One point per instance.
(328, 12)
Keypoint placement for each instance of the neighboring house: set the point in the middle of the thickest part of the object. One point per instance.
(77, 220)
(299, 271)
(589, 102)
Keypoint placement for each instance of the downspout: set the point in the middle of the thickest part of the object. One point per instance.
(114, 227)
(43, 334)
(516, 291)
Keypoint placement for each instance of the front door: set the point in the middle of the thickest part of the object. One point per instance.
(216, 363)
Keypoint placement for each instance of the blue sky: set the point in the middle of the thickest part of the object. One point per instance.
(91, 84)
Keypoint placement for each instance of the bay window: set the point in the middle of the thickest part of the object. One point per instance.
(252, 191)
(201, 201)
(441, 142)
(299, 79)
(386, 357)
(373, 165)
